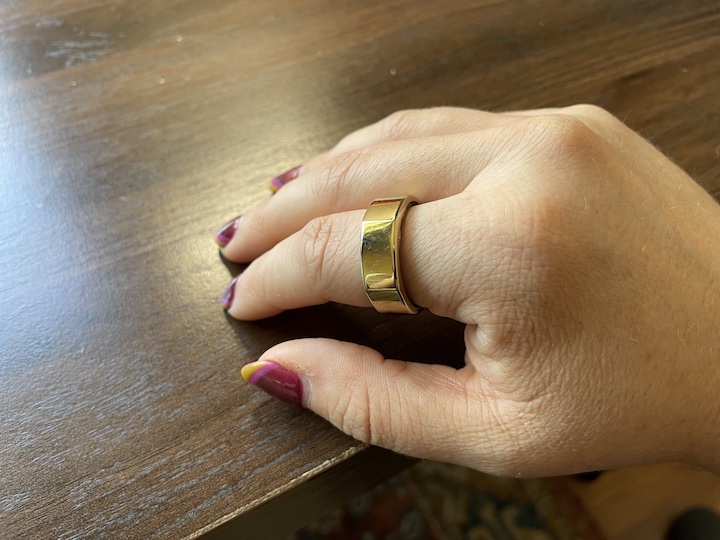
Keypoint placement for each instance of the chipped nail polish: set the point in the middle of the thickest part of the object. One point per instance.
(276, 380)
(227, 232)
(288, 176)
(229, 294)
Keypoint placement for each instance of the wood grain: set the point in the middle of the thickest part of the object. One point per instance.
(129, 131)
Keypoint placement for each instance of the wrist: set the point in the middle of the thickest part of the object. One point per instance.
(704, 377)
(693, 390)
(707, 446)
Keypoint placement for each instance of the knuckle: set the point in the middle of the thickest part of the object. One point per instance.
(591, 112)
(399, 125)
(365, 415)
(256, 222)
(337, 174)
(603, 123)
(559, 137)
(353, 414)
(319, 248)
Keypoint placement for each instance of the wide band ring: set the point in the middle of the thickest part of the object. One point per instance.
(380, 255)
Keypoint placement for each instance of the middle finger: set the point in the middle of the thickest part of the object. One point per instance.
(431, 168)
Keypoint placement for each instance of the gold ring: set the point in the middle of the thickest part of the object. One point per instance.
(380, 255)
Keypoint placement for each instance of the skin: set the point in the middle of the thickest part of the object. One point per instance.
(584, 263)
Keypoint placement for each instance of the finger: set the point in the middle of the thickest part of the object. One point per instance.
(294, 173)
(436, 121)
(429, 169)
(311, 267)
(321, 263)
(427, 411)
(317, 163)
(401, 125)
(417, 124)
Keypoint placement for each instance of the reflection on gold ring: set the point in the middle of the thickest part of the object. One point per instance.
(380, 255)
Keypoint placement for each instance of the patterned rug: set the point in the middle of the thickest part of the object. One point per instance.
(435, 501)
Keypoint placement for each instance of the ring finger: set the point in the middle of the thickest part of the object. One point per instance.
(321, 264)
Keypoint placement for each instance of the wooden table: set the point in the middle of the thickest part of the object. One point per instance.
(131, 130)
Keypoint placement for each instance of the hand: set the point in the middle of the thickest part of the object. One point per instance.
(583, 262)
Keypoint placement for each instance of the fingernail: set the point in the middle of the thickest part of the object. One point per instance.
(229, 294)
(227, 232)
(288, 176)
(276, 380)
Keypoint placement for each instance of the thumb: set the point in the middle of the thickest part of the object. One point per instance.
(426, 411)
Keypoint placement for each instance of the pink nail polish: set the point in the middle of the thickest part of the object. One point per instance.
(276, 380)
(229, 294)
(286, 177)
(227, 232)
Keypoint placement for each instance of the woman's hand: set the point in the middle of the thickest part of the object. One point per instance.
(584, 263)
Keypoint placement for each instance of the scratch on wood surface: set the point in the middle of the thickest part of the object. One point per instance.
(78, 52)
(83, 45)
